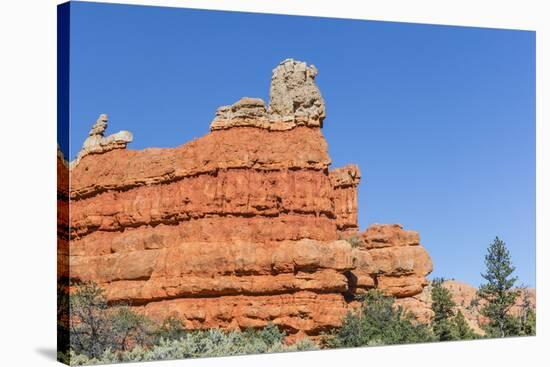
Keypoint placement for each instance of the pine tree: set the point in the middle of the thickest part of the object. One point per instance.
(527, 315)
(498, 293)
(461, 329)
(530, 325)
(443, 309)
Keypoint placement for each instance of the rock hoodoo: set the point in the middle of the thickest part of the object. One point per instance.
(294, 96)
(243, 226)
(97, 143)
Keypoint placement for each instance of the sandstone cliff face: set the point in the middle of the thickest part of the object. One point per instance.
(243, 226)
(62, 217)
(344, 182)
(394, 259)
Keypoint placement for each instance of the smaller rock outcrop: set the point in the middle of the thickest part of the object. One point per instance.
(294, 96)
(295, 100)
(389, 235)
(245, 112)
(97, 143)
(398, 267)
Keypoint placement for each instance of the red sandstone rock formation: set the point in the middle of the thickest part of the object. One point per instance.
(394, 259)
(62, 217)
(240, 227)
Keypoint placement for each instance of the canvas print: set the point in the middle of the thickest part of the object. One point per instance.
(234, 183)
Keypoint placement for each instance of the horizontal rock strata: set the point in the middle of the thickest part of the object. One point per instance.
(243, 226)
(268, 194)
(305, 313)
(399, 267)
(237, 148)
(207, 269)
(344, 182)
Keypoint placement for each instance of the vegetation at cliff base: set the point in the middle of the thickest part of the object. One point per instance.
(102, 334)
(378, 322)
(447, 323)
(192, 344)
(527, 319)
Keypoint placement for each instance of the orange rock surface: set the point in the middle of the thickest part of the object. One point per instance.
(344, 183)
(62, 217)
(243, 226)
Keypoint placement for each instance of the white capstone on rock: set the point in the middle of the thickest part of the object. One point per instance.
(294, 96)
(97, 143)
(294, 100)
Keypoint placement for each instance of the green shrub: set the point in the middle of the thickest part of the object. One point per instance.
(207, 343)
(378, 322)
(529, 325)
(354, 241)
(460, 328)
(63, 325)
(129, 328)
(102, 334)
(527, 318)
(171, 328)
(90, 327)
(96, 328)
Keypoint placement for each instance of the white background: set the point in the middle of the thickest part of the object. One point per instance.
(28, 188)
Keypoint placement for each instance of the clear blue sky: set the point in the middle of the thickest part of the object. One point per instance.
(440, 120)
